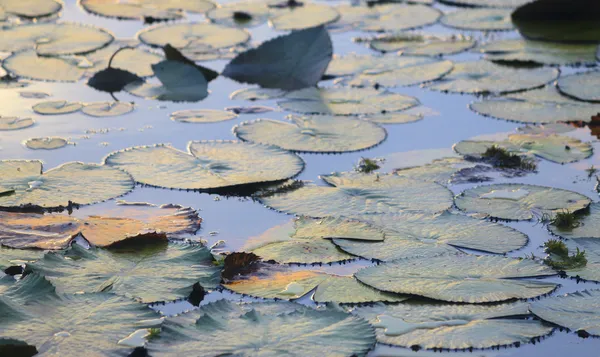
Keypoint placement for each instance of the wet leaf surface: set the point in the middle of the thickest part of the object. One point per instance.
(576, 311)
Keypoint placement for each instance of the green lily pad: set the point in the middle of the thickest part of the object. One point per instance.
(240, 14)
(451, 326)
(54, 39)
(318, 133)
(421, 45)
(292, 329)
(346, 101)
(303, 17)
(47, 143)
(202, 116)
(519, 201)
(387, 17)
(442, 171)
(11, 257)
(479, 19)
(351, 195)
(190, 36)
(141, 9)
(589, 226)
(591, 247)
(461, 278)
(29, 64)
(486, 3)
(107, 109)
(57, 107)
(30, 8)
(14, 123)
(582, 86)
(71, 325)
(576, 311)
(74, 182)
(208, 165)
(544, 105)
(486, 77)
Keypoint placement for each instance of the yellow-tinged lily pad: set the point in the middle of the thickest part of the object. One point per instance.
(581, 86)
(57, 107)
(479, 19)
(107, 109)
(193, 36)
(14, 123)
(387, 17)
(302, 17)
(30, 8)
(202, 116)
(29, 64)
(141, 9)
(421, 45)
(240, 14)
(47, 143)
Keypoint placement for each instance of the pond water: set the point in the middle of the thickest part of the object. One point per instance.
(447, 121)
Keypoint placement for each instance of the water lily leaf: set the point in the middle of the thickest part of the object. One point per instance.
(519, 201)
(421, 45)
(202, 116)
(576, 311)
(30, 8)
(293, 330)
(351, 195)
(388, 17)
(486, 77)
(392, 118)
(28, 64)
(47, 143)
(180, 82)
(421, 235)
(107, 109)
(240, 14)
(173, 54)
(318, 133)
(55, 231)
(14, 123)
(190, 36)
(160, 272)
(74, 182)
(461, 278)
(126, 55)
(307, 54)
(209, 165)
(591, 249)
(479, 19)
(541, 52)
(556, 148)
(442, 171)
(589, 226)
(113, 80)
(544, 105)
(486, 3)
(140, 9)
(57, 107)
(54, 39)
(451, 326)
(253, 94)
(346, 101)
(582, 86)
(70, 325)
(255, 109)
(425, 70)
(303, 17)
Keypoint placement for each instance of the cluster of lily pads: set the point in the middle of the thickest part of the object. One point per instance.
(440, 279)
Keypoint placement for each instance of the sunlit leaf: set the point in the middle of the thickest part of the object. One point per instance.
(140, 9)
(542, 52)
(14, 123)
(589, 225)
(46, 143)
(479, 19)
(30, 8)
(107, 109)
(57, 107)
(240, 14)
(202, 116)
(193, 35)
(421, 45)
(30, 65)
(576, 311)
(582, 86)
(302, 17)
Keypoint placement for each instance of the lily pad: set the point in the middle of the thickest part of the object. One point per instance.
(451, 326)
(30, 65)
(322, 134)
(132, 59)
(252, 94)
(73, 182)
(388, 17)
(425, 70)
(240, 14)
(57, 107)
(351, 195)
(30, 8)
(190, 36)
(519, 201)
(303, 17)
(591, 249)
(576, 311)
(482, 77)
(159, 272)
(589, 225)
(70, 325)
(346, 101)
(421, 45)
(293, 330)
(209, 165)
(443, 171)
(392, 118)
(202, 116)
(140, 9)
(47, 143)
(461, 278)
(54, 39)
(582, 86)
(14, 123)
(479, 19)
(107, 109)
(544, 105)
(486, 3)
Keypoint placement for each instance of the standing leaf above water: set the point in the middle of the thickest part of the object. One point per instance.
(173, 54)
(290, 62)
(112, 80)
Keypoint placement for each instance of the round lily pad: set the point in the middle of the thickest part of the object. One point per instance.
(589, 225)
(298, 18)
(486, 3)
(57, 107)
(479, 19)
(482, 77)
(519, 201)
(107, 109)
(445, 170)
(31, 8)
(253, 94)
(421, 45)
(582, 86)
(193, 36)
(240, 14)
(74, 182)
(30, 65)
(576, 311)
(202, 116)
(141, 9)
(461, 278)
(392, 118)
(133, 59)
(425, 70)
(14, 123)
(388, 17)
(47, 143)
(209, 165)
(345, 101)
(351, 195)
(54, 39)
(451, 326)
(318, 133)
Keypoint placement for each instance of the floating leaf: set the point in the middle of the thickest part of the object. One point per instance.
(421, 45)
(107, 109)
(53, 39)
(461, 278)
(70, 325)
(346, 101)
(326, 134)
(582, 86)
(519, 201)
(451, 326)
(30, 8)
(74, 182)
(57, 107)
(392, 118)
(173, 54)
(442, 171)
(293, 329)
(589, 226)
(351, 195)
(240, 14)
(202, 116)
(257, 109)
(307, 53)
(303, 17)
(576, 311)
(208, 165)
(479, 19)
(47, 143)
(125, 55)
(193, 35)
(30, 65)
(486, 3)
(14, 123)
(388, 17)
(485, 77)
(544, 105)
(590, 247)
(141, 9)
(253, 94)
(33, 95)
